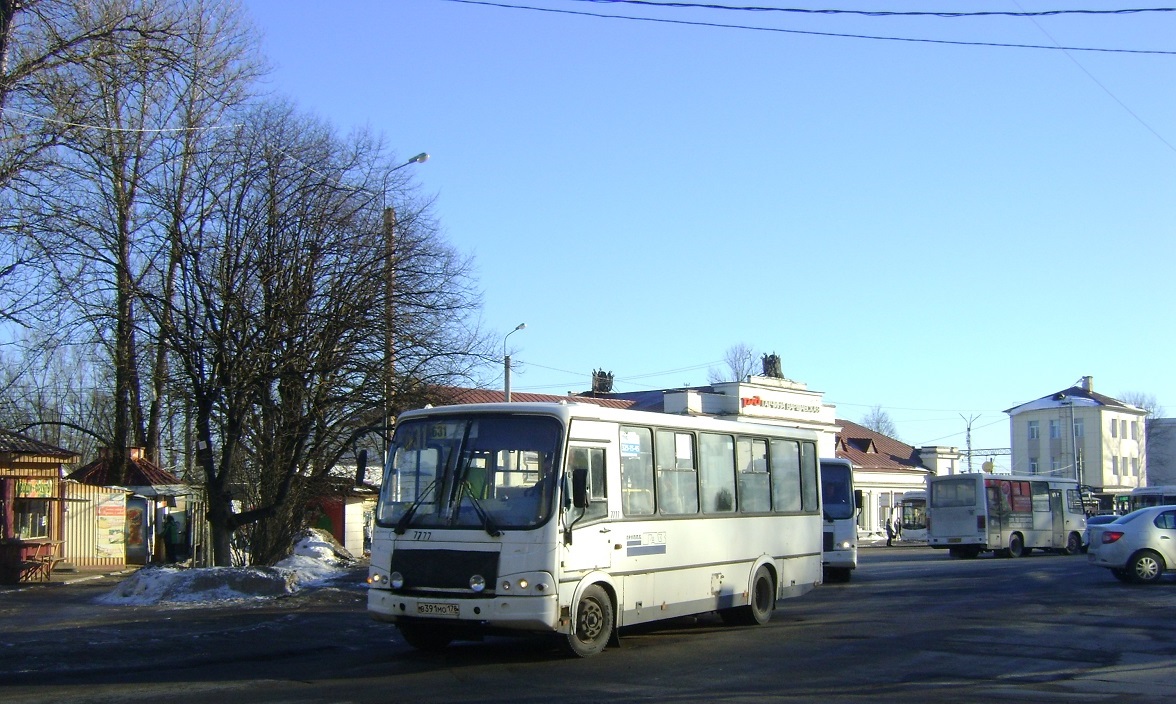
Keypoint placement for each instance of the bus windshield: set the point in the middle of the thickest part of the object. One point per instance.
(836, 480)
(488, 472)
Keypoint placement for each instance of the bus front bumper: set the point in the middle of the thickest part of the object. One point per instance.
(523, 613)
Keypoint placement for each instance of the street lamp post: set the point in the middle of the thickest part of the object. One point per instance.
(506, 361)
(389, 290)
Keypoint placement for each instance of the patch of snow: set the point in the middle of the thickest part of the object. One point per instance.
(317, 558)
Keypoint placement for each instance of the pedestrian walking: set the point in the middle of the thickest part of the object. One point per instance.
(889, 532)
(171, 538)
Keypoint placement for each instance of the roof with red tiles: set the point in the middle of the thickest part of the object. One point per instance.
(142, 472)
(870, 450)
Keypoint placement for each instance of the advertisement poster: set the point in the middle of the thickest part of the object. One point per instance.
(112, 522)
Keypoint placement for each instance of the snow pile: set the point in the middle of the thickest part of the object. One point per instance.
(317, 558)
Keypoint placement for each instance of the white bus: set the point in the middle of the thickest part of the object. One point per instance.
(577, 520)
(912, 515)
(839, 506)
(1144, 496)
(1007, 514)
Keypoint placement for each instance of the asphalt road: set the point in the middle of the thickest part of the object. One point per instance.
(912, 625)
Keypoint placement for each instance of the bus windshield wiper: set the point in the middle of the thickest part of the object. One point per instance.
(488, 523)
(406, 520)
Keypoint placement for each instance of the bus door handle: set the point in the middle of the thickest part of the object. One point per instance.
(605, 530)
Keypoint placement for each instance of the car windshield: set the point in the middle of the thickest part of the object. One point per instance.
(493, 472)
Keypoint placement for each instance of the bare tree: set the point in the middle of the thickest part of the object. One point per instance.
(277, 323)
(1143, 400)
(740, 362)
(878, 420)
(105, 214)
(40, 42)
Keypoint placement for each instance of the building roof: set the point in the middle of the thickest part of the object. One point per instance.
(870, 450)
(142, 472)
(1078, 395)
(20, 444)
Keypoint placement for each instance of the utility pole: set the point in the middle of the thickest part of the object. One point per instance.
(968, 437)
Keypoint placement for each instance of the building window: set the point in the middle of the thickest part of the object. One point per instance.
(1034, 430)
(1135, 466)
(1114, 428)
(1033, 465)
(1115, 465)
(1055, 430)
(1123, 429)
(31, 518)
(1134, 430)
(1053, 465)
(1078, 428)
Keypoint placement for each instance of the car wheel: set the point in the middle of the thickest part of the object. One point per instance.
(1146, 567)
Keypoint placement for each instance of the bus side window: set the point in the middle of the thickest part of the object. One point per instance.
(786, 480)
(717, 472)
(677, 477)
(636, 471)
(751, 457)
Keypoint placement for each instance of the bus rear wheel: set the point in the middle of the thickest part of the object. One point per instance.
(1016, 546)
(762, 601)
(594, 623)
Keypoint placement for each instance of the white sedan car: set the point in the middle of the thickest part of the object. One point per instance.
(1138, 547)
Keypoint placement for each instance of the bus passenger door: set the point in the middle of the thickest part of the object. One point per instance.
(591, 535)
(1057, 513)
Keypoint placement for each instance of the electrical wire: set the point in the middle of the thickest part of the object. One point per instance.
(842, 35)
(879, 13)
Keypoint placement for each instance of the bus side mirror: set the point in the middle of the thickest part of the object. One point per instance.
(580, 487)
(857, 498)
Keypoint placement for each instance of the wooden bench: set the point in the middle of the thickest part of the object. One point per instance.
(39, 562)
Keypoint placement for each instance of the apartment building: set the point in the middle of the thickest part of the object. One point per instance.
(1082, 434)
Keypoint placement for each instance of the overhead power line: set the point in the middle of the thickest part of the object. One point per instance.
(842, 35)
(878, 13)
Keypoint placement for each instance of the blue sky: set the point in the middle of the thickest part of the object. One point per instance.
(946, 231)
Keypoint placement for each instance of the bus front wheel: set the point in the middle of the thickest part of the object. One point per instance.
(594, 623)
(1016, 546)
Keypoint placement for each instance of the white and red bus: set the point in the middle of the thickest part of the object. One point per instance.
(1007, 514)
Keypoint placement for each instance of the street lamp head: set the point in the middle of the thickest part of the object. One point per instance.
(520, 326)
(419, 158)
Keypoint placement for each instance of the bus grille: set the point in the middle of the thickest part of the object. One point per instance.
(447, 570)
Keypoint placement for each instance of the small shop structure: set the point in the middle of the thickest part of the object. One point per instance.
(32, 507)
(122, 519)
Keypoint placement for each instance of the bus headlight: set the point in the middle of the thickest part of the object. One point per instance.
(396, 580)
(845, 545)
(477, 582)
